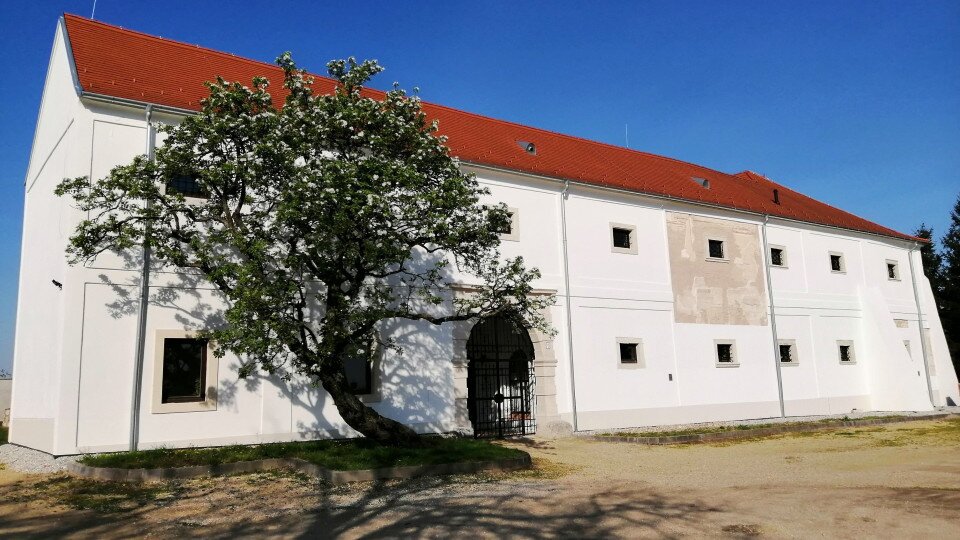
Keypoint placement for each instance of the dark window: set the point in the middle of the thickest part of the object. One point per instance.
(892, 271)
(836, 263)
(359, 374)
(725, 353)
(716, 249)
(621, 238)
(628, 353)
(506, 228)
(184, 370)
(186, 185)
(786, 353)
(845, 355)
(776, 256)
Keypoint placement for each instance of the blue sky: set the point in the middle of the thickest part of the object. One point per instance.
(855, 103)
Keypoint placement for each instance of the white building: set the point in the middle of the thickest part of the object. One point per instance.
(662, 272)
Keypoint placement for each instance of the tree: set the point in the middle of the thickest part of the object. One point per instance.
(932, 262)
(322, 219)
(950, 311)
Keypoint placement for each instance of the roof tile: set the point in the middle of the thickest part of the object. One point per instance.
(125, 64)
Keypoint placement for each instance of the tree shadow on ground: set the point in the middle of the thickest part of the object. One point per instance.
(440, 507)
(423, 507)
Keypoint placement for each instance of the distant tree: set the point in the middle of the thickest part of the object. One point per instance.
(950, 311)
(932, 262)
(4, 374)
(319, 221)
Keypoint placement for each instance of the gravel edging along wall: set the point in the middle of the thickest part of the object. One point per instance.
(297, 465)
(758, 432)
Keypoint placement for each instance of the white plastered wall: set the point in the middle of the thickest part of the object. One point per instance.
(75, 347)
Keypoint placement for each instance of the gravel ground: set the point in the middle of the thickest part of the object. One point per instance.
(894, 481)
(26, 460)
(774, 420)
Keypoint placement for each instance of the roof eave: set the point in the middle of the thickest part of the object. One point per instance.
(658, 196)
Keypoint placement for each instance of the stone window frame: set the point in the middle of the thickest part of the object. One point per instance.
(785, 262)
(641, 362)
(794, 355)
(852, 352)
(723, 248)
(632, 250)
(514, 234)
(843, 262)
(733, 353)
(213, 364)
(896, 270)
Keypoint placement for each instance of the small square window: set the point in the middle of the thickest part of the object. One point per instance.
(630, 352)
(846, 353)
(184, 370)
(836, 263)
(778, 256)
(188, 186)
(787, 351)
(621, 237)
(726, 353)
(715, 249)
(893, 271)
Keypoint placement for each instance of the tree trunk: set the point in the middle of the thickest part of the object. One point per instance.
(364, 419)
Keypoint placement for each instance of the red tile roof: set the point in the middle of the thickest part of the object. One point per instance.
(120, 63)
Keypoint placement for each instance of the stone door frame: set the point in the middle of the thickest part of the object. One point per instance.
(544, 369)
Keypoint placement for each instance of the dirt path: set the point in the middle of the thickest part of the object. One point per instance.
(899, 481)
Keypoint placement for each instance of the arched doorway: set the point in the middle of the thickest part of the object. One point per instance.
(500, 379)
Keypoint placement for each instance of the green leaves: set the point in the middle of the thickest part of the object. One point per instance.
(321, 219)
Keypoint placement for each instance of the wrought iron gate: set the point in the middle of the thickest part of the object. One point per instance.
(500, 379)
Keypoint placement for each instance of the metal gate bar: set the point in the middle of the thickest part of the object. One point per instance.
(500, 379)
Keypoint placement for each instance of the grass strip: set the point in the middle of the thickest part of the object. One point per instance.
(342, 455)
(745, 427)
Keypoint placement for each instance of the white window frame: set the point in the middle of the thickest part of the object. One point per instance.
(794, 354)
(783, 256)
(896, 270)
(723, 247)
(853, 352)
(641, 358)
(843, 262)
(209, 404)
(514, 234)
(733, 353)
(632, 250)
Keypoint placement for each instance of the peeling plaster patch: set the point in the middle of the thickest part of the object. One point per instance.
(706, 292)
